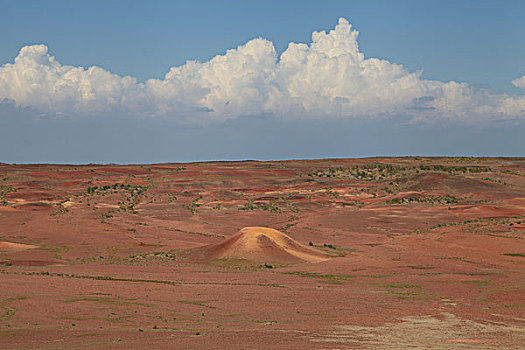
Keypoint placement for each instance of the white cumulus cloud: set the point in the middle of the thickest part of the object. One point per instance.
(37, 79)
(520, 82)
(330, 77)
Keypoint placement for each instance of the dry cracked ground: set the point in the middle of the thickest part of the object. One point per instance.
(410, 252)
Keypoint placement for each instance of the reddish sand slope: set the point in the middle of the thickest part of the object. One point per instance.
(407, 253)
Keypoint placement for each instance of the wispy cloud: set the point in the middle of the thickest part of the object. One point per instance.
(328, 78)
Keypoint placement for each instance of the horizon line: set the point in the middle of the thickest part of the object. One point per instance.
(266, 160)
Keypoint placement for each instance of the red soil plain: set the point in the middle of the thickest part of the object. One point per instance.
(376, 253)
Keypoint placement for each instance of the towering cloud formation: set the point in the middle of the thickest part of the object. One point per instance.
(328, 78)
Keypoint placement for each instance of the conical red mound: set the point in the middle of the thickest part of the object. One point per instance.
(261, 245)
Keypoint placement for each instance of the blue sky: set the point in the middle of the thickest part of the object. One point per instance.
(476, 43)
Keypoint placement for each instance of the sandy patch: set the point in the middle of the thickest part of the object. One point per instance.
(15, 247)
(427, 332)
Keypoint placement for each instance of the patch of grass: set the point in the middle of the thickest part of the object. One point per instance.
(332, 193)
(518, 305)
(8, 312)
(146, 258)
(197, 233)
(320, 276)
(511, 172)
(60, 208)
(142, 259)
(198, 303)
(332, 249)
(79, 318)
(287, 226)
(135, 280)
(113, 301)
(248, 206)
(494, 180)
(379, 276)
(265, 322)
(291, 206)
(477, 282)
(405, 291)
(57, 249)
(107, 215)
(521, 255)
(271, 207)
(192, 207)
(6, 262)
(478, 273)
(399, 285)
(492, 221)
(421, 267)
(235, 263)
(171, 198)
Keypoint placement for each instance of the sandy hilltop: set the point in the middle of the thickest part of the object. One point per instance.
(376, 253)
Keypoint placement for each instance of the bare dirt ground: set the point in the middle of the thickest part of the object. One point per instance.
(416, 253)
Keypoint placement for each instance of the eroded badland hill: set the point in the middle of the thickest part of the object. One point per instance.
(380, 253)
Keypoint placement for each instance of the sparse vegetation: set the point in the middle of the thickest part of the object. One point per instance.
(320, 276)
(331, 193)
(132, 195)
(192, 207)
(61, 209)
(511, 172)
(492, 221)
(198, 303)
(431, 199)
(357, 204)
(271, 207)
(366, 172)
(171, 198)
(287, 226)
(454, 169)
(421, 267)
(248, 206)
(3, 191)
(494, 180)
(136, 280)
